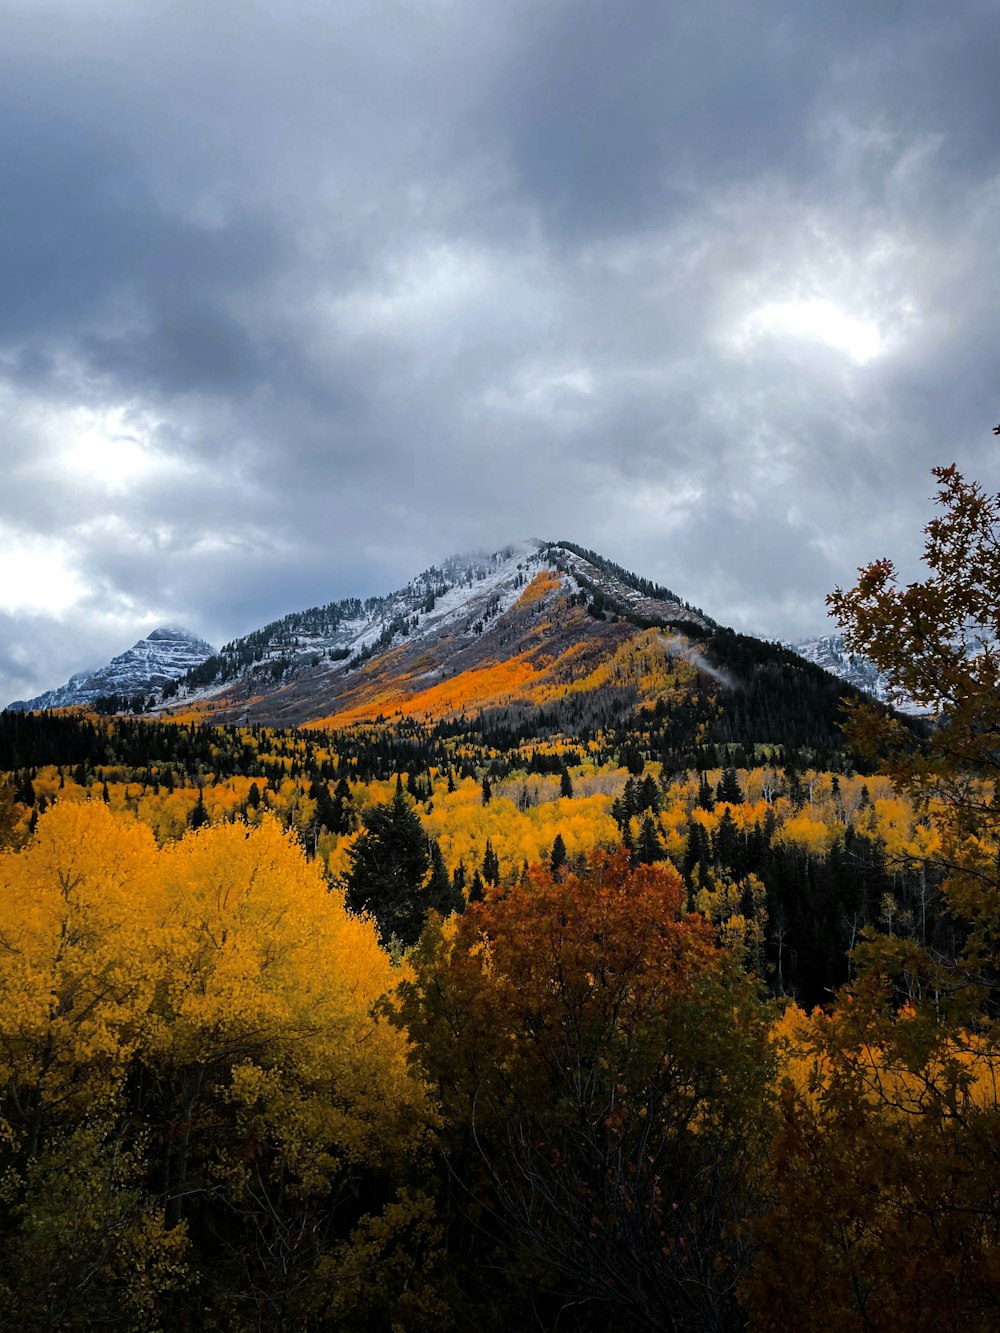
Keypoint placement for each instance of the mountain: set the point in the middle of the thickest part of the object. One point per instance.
(830, 652)
(476, 631)
(533, 640)
(165, 655)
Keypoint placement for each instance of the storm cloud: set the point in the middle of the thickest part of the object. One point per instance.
(299, 299)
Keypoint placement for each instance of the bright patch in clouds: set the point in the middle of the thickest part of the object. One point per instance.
(36, 575)
(815, 321)
(110, 447)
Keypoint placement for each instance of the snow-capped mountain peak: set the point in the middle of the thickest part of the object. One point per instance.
(164, 655)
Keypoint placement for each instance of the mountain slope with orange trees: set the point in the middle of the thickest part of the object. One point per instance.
(533, 642)
(519, 628)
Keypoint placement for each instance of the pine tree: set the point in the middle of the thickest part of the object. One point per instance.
(649, 795)
(198, 817)
(565, 783)
(729, 788)
(441, 894)
(727, 842)
(491, 865)
(649, 848)
(326, 812)
(389, 863)
(8, 815)
(696, 852)
(557, 860)
(342, 817)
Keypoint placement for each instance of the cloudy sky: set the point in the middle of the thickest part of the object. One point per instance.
(298, 298)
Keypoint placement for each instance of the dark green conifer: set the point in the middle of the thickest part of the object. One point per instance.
(557, 860)
(649, 848)
(389, 863)
(491, 865)
(441, 893)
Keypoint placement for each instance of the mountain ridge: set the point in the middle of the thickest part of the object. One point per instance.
(472, 613)
(165, 654)
(538, 634)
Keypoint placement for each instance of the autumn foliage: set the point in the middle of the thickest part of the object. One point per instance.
(187, 1048)
(412, 1027)
(601, 1064)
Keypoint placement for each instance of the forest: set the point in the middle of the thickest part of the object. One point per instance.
(684, 1019)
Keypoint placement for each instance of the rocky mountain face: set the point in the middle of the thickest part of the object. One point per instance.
(486, 631)
(830, 652)
(165, 655)
(538, 640)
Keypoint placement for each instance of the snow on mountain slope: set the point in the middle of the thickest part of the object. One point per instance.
(830, 652)
(464, 614)
(166, 654)
(460, 594)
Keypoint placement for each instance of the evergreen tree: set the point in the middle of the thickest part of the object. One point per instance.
(649, 848)
(727, 843)
(706, 797)
(342, 817)
(491, 865)
(441, 893)
(631, 758)
(198, 817)
(326, 812)
(696, 852)
(389, 863)
(557, 860)
(649, 795)
(8, 814)
(729, 788)
(565, 783)
(487, 790)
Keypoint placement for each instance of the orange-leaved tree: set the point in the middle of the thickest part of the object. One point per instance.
(602, 1065)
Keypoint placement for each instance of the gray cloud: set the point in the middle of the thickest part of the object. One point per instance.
(298, 301)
